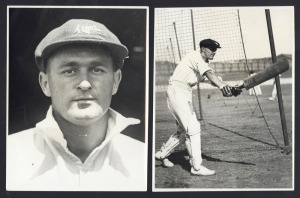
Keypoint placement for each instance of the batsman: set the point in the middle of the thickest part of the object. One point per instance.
(193, 68)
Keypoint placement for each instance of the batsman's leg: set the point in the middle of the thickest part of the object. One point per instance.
(168, 147)
(188, 147)
(194, 134)
(180, 104)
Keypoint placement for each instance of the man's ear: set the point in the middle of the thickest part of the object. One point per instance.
(117, 80)
(44, 83)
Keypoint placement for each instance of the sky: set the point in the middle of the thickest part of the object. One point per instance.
(255, 31)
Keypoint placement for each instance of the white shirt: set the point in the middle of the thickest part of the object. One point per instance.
(190, 69)
(38, 159)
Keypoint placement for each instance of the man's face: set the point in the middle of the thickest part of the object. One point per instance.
(80, 81)
(209, 53)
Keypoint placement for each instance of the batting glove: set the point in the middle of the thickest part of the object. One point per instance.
(226, 90)
(236, 91)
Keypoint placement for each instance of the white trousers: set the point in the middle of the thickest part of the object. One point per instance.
(179, 98)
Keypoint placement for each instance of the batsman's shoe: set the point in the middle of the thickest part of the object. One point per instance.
(166, 162)
(158, 155)
(202, 171)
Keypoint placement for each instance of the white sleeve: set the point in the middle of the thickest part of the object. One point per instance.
(202, 66)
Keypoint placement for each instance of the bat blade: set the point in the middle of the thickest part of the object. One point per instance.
(272, 71)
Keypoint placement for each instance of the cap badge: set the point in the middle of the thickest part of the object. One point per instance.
(88, 29)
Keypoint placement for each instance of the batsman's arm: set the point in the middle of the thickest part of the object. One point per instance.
(225, 89)
(214, 79)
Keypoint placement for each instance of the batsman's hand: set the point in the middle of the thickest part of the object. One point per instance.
(236, 91)
(229, 91)
(226, 90)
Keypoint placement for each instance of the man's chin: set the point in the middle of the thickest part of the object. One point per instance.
(85, 117)
(85, 120)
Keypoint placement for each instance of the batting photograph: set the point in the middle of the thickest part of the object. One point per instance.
(223, 99)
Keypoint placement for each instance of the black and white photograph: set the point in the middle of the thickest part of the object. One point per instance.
(77, 98)
(223, 99)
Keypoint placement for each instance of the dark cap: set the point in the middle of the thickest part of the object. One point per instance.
(209, 43)
(80, 31)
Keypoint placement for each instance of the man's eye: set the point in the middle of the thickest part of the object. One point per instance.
(98, 70)
(69, 71)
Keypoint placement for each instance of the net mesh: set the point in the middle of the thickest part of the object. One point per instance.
(179, 31)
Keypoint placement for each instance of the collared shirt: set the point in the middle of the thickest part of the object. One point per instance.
(190, 69)
(39, 159)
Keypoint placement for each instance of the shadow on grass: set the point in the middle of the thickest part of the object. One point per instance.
(250, 138)
(180, 158)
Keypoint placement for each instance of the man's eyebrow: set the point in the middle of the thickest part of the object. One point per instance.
(100, 63)
(66, 63)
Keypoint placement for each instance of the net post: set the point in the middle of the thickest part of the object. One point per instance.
(171, 58)
(198, 86)
(193, 29)
(277, 80)
(172, 51)
(177, 40)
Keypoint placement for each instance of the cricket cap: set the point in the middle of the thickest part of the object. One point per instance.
(210, 44)
(80, 31)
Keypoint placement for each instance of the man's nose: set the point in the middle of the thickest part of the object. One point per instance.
(84, 85)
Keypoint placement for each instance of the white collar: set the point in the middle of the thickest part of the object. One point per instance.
(116, 124)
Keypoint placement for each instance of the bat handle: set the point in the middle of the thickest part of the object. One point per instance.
(241, 86)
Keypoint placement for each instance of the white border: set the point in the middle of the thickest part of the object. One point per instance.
(146, 93)
(293, 100)
(147, 98)
(293, 112)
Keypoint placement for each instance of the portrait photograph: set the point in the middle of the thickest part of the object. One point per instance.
(77, 98)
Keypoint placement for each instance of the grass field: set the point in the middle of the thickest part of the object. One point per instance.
(236, 142)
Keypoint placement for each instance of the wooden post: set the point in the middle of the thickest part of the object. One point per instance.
(198, 86)
(193, 30)
(177, 41)
(277, 80)
(172, 64)
(173, 52)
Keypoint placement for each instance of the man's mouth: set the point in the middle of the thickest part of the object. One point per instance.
(83, 99)
(83, 103)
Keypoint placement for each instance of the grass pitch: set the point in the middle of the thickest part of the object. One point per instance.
(236, 140)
